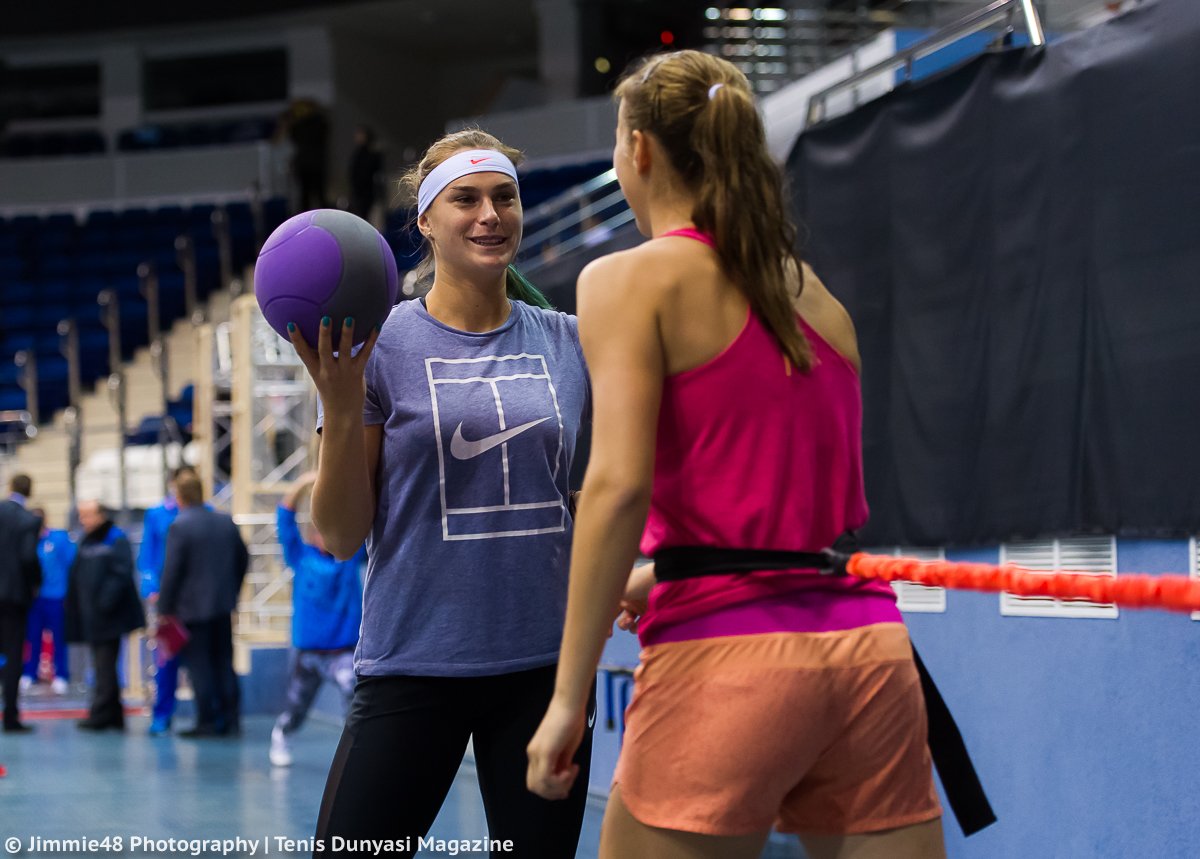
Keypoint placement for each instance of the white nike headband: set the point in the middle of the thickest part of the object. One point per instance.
(461, 164)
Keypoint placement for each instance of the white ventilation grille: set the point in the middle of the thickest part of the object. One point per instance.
(1194, 565)
(1083, 554)
(911, 596)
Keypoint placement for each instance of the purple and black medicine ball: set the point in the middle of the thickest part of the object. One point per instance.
(325, 263)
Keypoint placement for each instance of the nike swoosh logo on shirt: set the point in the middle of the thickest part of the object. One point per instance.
(592, 719)
(460, 448)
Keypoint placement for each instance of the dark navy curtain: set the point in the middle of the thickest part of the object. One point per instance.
(1018, 242)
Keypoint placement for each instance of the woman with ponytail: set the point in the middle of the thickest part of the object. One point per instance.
(727, 421)
(447, 442)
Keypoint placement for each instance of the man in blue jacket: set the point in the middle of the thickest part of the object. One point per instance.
(56, 552)
(326, 615)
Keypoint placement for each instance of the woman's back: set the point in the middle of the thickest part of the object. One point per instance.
(753, 453)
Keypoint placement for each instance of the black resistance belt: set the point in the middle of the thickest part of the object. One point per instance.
(959, 779)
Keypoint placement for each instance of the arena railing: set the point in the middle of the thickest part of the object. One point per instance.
(557, 226)
(993, 13)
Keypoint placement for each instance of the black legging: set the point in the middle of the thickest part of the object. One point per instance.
(402, 746)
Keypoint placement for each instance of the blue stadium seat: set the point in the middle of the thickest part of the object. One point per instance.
(56, 291)
(15, 341)
(57, 264)
(16, 292)
(52, 368)
(16, 318)
(169, 215)
(48, 317)
(12, 267)
(100, 218)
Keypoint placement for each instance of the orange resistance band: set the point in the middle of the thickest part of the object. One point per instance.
(1171, 592)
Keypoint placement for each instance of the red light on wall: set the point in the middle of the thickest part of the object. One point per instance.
(667, 37)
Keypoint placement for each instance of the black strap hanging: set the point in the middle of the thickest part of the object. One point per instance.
(963, 789)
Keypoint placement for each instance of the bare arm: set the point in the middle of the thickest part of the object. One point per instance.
(618, 327)
(343, 501)
(827, 315)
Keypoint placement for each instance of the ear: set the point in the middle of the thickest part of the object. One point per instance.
(642, 155)
(423, 226)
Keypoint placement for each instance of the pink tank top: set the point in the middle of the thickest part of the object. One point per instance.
(750, 456)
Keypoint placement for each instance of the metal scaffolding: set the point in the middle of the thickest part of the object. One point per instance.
(255, 414)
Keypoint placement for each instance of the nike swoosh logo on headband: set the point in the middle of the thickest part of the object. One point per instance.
(460, 448)
(478, 160)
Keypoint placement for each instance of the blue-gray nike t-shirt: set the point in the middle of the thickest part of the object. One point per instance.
(471, 543)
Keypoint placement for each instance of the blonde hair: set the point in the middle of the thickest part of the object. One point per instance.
(715, 140)
(516, 286)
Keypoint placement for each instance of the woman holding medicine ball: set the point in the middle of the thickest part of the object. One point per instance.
(447, 444)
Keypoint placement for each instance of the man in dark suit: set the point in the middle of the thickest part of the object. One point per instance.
(203, 569)
(102, 606)
(20, 578)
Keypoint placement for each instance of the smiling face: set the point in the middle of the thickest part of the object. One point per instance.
(474, 224)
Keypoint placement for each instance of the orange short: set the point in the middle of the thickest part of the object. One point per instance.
(821, 733)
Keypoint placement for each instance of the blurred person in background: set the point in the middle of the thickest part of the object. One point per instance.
(203, 570)
(308, 129)
(326, 615)
(102, 606)
(150, 564)
(20, 579)
(366, 173)
(56, 553)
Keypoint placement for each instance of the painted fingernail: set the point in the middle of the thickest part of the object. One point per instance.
(291, 327)
(325, 320)
(349, 321)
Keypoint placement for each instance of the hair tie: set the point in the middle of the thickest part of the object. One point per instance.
(712, 90)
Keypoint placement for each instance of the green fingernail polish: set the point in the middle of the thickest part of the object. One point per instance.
(325, 320)
(291, 326)
(349, 321)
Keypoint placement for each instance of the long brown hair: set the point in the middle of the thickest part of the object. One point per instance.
(715, 139)
(516, 286)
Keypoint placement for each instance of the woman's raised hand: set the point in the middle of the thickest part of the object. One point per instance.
(339, 378)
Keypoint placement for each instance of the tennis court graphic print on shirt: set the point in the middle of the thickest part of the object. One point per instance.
(499, 434)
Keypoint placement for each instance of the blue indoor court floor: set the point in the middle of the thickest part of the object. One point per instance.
(63, 783)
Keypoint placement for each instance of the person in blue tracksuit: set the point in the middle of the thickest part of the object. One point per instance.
(150, 564)
(326, 615)
(56, 551)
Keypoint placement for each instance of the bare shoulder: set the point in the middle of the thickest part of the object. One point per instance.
(818, 307)
(645, 272)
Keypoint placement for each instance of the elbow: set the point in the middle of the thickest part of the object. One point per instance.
(341, 540)
(342, 534)
(341, 544)
(344, 553)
